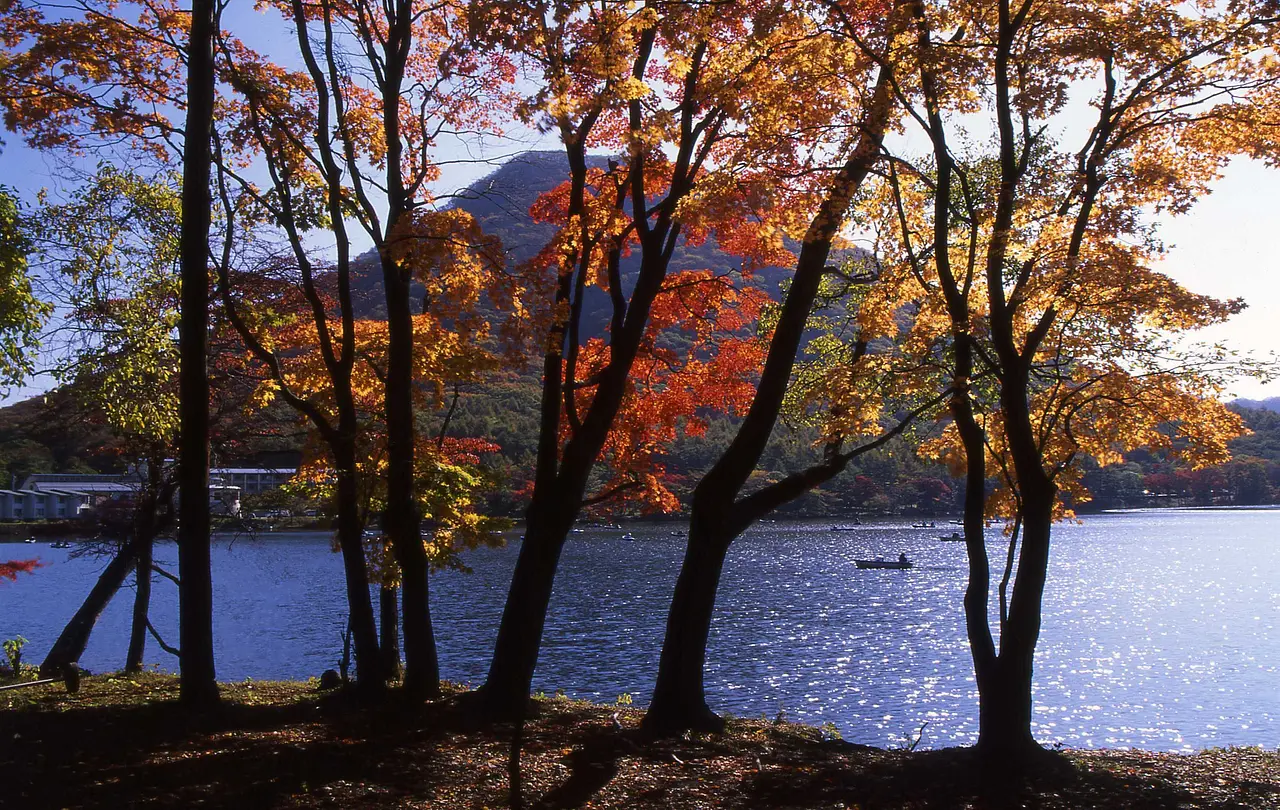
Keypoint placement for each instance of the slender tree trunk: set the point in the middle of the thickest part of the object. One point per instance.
(141, 605)
(195, 614)
(679, 697)
(1004, 721)
(389, 627)
(402, 520)
(370, 674)
(75, 636)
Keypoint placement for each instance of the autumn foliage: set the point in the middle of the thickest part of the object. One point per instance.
(11, 569)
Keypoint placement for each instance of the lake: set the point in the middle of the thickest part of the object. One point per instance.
(1160, 627)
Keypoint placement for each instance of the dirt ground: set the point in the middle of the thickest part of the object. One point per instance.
(123, 742)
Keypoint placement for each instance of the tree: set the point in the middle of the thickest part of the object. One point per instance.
(195, 613)
(110, 255)
(367, 158)
(720, 510)
(56, 92)
(688, 97)
(1036, 260)
(22, 315)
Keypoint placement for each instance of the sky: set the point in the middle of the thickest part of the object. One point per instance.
(1227, 246)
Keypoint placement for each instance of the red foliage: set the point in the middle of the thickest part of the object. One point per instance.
(10, 570)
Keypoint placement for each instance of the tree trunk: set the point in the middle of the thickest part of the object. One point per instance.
(1004, 727)
(389, 628)
(402, 521)
(402, 517)
(75, 636)
(679, 699)
(141, 605)
(370, 675)
(1004, 716)
(195, 614)
(515, 654)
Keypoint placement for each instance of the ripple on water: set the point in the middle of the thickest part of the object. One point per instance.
(1159, 629)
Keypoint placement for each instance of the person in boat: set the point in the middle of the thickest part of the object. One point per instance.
(902, 558)
(956, 536)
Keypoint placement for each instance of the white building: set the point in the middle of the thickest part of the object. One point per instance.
(251, 480)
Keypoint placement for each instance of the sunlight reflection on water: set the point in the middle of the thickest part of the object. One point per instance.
(1159, 628)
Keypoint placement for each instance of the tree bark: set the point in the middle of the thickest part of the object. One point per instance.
(523, 618)
(718, 516)
(370, 674)
(195, 613)
(141, 605)
(75, 636)
(402, 521)
(389, 628)
(679, 697)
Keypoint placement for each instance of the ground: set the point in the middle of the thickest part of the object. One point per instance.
(123, 741)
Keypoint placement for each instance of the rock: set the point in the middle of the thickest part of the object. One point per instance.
(330, 679)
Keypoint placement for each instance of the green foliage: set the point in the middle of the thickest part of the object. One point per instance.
(13, 653)
(22, 315)
(113, 248)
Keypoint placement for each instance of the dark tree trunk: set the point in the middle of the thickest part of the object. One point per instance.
(561, 479)
(141, 605)
(515, 653)
(402, 521)
(679, 698)
(402, 517)
(718, 515)
(370, 675)
(1004, 722)
(75, 636)
(389, 627)
(195, 614)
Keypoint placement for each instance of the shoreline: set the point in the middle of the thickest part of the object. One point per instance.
(123, 740)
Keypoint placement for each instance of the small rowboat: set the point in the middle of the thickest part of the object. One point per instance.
(899, 565)
(954, 537)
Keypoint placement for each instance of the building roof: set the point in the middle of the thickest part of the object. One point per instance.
(89, 487)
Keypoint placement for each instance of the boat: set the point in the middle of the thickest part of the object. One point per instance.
(60, 544)
(923, 525)
(901, 564)
(847, 527)
(678, 534)
(954, 537)
(628, 536)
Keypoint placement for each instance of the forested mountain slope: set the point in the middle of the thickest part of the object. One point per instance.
(51, 434)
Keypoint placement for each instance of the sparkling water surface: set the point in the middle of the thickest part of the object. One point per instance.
(1160, 627)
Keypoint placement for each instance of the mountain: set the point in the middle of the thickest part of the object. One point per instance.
(500, 202)
(1269, 404)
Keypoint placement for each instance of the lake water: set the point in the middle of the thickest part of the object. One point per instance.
(1160, 627)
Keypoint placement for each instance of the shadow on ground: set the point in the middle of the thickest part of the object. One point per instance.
(333, 752)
